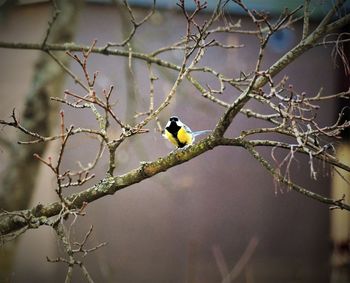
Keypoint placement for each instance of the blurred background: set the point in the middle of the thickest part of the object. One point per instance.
(219, 210)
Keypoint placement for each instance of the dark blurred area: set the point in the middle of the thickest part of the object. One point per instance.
(186, 224)
(344, 83)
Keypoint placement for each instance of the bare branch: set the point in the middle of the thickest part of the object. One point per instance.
(306, 18)
(279, 178)
(135, 25)
(55, 14)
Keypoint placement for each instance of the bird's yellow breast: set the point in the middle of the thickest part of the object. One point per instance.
(184, 137)
(170, 137)
(179, 139)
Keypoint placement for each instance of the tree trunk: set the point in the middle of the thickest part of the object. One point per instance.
(39, 116)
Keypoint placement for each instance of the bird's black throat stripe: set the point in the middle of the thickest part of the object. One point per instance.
(173, 129)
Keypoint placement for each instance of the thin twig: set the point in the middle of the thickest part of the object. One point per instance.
(55, 14)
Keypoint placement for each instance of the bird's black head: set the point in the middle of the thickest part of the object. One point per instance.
(173, 125)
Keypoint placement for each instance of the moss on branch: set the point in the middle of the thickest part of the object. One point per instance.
(107, 186)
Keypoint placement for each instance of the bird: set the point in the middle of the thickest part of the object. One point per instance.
(180, 134)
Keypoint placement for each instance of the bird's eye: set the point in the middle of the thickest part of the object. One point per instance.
(174, 118)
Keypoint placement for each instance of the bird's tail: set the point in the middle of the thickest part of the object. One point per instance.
(197, 133)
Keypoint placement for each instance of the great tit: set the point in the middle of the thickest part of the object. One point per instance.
(180, 134)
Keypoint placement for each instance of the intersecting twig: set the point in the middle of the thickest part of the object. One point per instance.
(71, 261)
(135, 24)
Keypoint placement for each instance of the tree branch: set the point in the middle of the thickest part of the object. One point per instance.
(110, 185)
(280, 179)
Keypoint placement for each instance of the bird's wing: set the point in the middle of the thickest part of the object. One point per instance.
(197, 133)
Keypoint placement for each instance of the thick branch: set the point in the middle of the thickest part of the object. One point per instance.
(107, 186)
(277, 67)
(110, 185)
